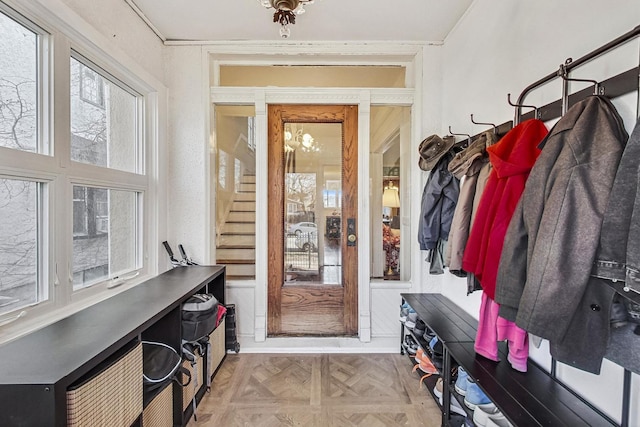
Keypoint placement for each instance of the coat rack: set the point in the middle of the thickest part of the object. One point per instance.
(464, 145)
(495, 129)
(516, 118)
(613, 87)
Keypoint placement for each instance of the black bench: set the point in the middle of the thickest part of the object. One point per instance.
(534, 398)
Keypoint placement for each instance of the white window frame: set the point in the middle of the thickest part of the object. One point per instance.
(61, 36)
(106, 76)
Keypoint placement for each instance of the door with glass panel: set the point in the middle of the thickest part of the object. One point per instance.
(313, 182)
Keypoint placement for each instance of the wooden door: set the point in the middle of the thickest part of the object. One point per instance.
(313, 195)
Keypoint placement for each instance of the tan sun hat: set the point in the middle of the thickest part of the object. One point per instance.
(431, 149)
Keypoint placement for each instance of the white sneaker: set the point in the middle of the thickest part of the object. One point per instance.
(454, 405)
(498, 420)
(437, 390)
(412, 318)
(482, 413)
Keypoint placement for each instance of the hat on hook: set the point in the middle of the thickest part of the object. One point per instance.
(463, 160)
(431, 149)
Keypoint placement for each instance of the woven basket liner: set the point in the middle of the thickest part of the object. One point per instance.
(112, 398)
(189, 391)
(159, 412)
(217, 340)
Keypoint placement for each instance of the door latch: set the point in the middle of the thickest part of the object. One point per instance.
(351, 232)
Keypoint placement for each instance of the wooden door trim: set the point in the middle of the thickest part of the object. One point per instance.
(350, 206)
(277, 116)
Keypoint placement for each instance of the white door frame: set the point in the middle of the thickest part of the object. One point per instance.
(407, 55)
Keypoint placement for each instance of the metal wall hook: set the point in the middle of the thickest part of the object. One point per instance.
(495, 129)
(564, 74)
(461, 134)
(518, 106)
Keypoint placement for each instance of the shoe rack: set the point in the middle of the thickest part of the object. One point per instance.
(525, 399)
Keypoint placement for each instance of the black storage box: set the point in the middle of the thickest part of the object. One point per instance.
(199, 315)
(231, 342)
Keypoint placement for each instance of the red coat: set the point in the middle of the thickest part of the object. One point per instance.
(512, 159)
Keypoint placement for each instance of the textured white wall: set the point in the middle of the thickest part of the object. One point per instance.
(502, 47)
(186, 150)
(116, 21)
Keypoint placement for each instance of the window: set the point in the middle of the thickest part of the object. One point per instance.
(18, 86)
(91, 186)
(20, 209)
(90, 211)
(222, 169)
(237, 174)
(104, 120)
(251, 134)
(105, 240)
(91, 86)
(389, 141)
(234, 205)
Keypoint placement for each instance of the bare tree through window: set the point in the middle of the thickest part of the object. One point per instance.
(18, 197)
(17, 114)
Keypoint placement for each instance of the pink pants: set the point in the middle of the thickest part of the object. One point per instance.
(492, 328)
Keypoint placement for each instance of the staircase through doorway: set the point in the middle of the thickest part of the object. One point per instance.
(236, 241)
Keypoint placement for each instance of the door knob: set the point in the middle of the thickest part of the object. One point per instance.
(351, 232)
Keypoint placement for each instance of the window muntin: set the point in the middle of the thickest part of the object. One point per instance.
(18, 86)
(21, 244)
(105, 240)
(104, 120)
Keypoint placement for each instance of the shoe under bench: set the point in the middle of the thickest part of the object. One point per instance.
(533, 398)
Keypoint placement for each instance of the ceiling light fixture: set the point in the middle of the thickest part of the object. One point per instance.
(286, 11)
(295, 137)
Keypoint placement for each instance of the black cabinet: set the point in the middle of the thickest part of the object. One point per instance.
(534, 398)
(39, 368)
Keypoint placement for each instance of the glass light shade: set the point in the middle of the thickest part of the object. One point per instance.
(390, 197)
(307, 140)
(285, 32)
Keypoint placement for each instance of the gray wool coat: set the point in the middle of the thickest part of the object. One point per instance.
(551, 241)
(618, 255)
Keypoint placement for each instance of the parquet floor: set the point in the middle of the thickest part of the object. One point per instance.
(372, 390)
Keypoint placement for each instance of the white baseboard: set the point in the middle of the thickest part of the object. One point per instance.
(319, 345)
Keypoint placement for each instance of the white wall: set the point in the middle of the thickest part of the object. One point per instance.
(117, 22)
(502, 47)
(187, 151)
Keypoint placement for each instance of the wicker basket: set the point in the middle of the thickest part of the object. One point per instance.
(159, 412)
(190, 390)
(217, 340)
(113, 397)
